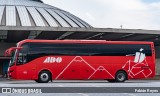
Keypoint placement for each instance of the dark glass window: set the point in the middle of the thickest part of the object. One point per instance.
(22, 54)
(88, 49)
(37, 50)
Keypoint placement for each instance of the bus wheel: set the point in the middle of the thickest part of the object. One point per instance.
(121, 76)
(44, 77)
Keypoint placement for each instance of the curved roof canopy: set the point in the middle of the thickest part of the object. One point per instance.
(35, 13)
(22, 19)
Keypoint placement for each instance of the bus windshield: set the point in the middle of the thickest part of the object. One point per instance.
(13, 58)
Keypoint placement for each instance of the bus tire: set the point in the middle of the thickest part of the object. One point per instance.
(121, 76)
(44, 77)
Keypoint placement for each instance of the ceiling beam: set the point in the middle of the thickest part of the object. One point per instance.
(34, 34)
(75, 29)
(99, 34)
(65, 35)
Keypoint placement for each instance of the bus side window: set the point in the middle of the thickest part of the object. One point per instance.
(19, 59)
(22, 59)
(22, 56)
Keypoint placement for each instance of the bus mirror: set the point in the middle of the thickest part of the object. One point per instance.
(19, 48)
(14, 48)
(10, 50)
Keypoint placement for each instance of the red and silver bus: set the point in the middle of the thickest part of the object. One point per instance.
(115, 61)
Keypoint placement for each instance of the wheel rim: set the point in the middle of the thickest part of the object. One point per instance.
(44, 76)
(121, 77)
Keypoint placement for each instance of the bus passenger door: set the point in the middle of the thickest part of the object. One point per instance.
(25, 70)
(31, 68)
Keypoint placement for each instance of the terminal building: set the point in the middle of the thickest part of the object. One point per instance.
(32, 19)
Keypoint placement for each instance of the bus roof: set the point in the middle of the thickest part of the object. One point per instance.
(84, 41)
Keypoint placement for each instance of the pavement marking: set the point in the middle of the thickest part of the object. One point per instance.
(82, 94)
(95, 86)
(129, 94)
(132, 94)
(60, 85)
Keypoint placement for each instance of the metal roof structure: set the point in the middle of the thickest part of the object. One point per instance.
(33, 13)
(32, 19)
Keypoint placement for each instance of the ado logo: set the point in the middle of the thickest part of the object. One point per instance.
(53, 60)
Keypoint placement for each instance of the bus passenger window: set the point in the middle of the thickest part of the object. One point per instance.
(21, 59)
